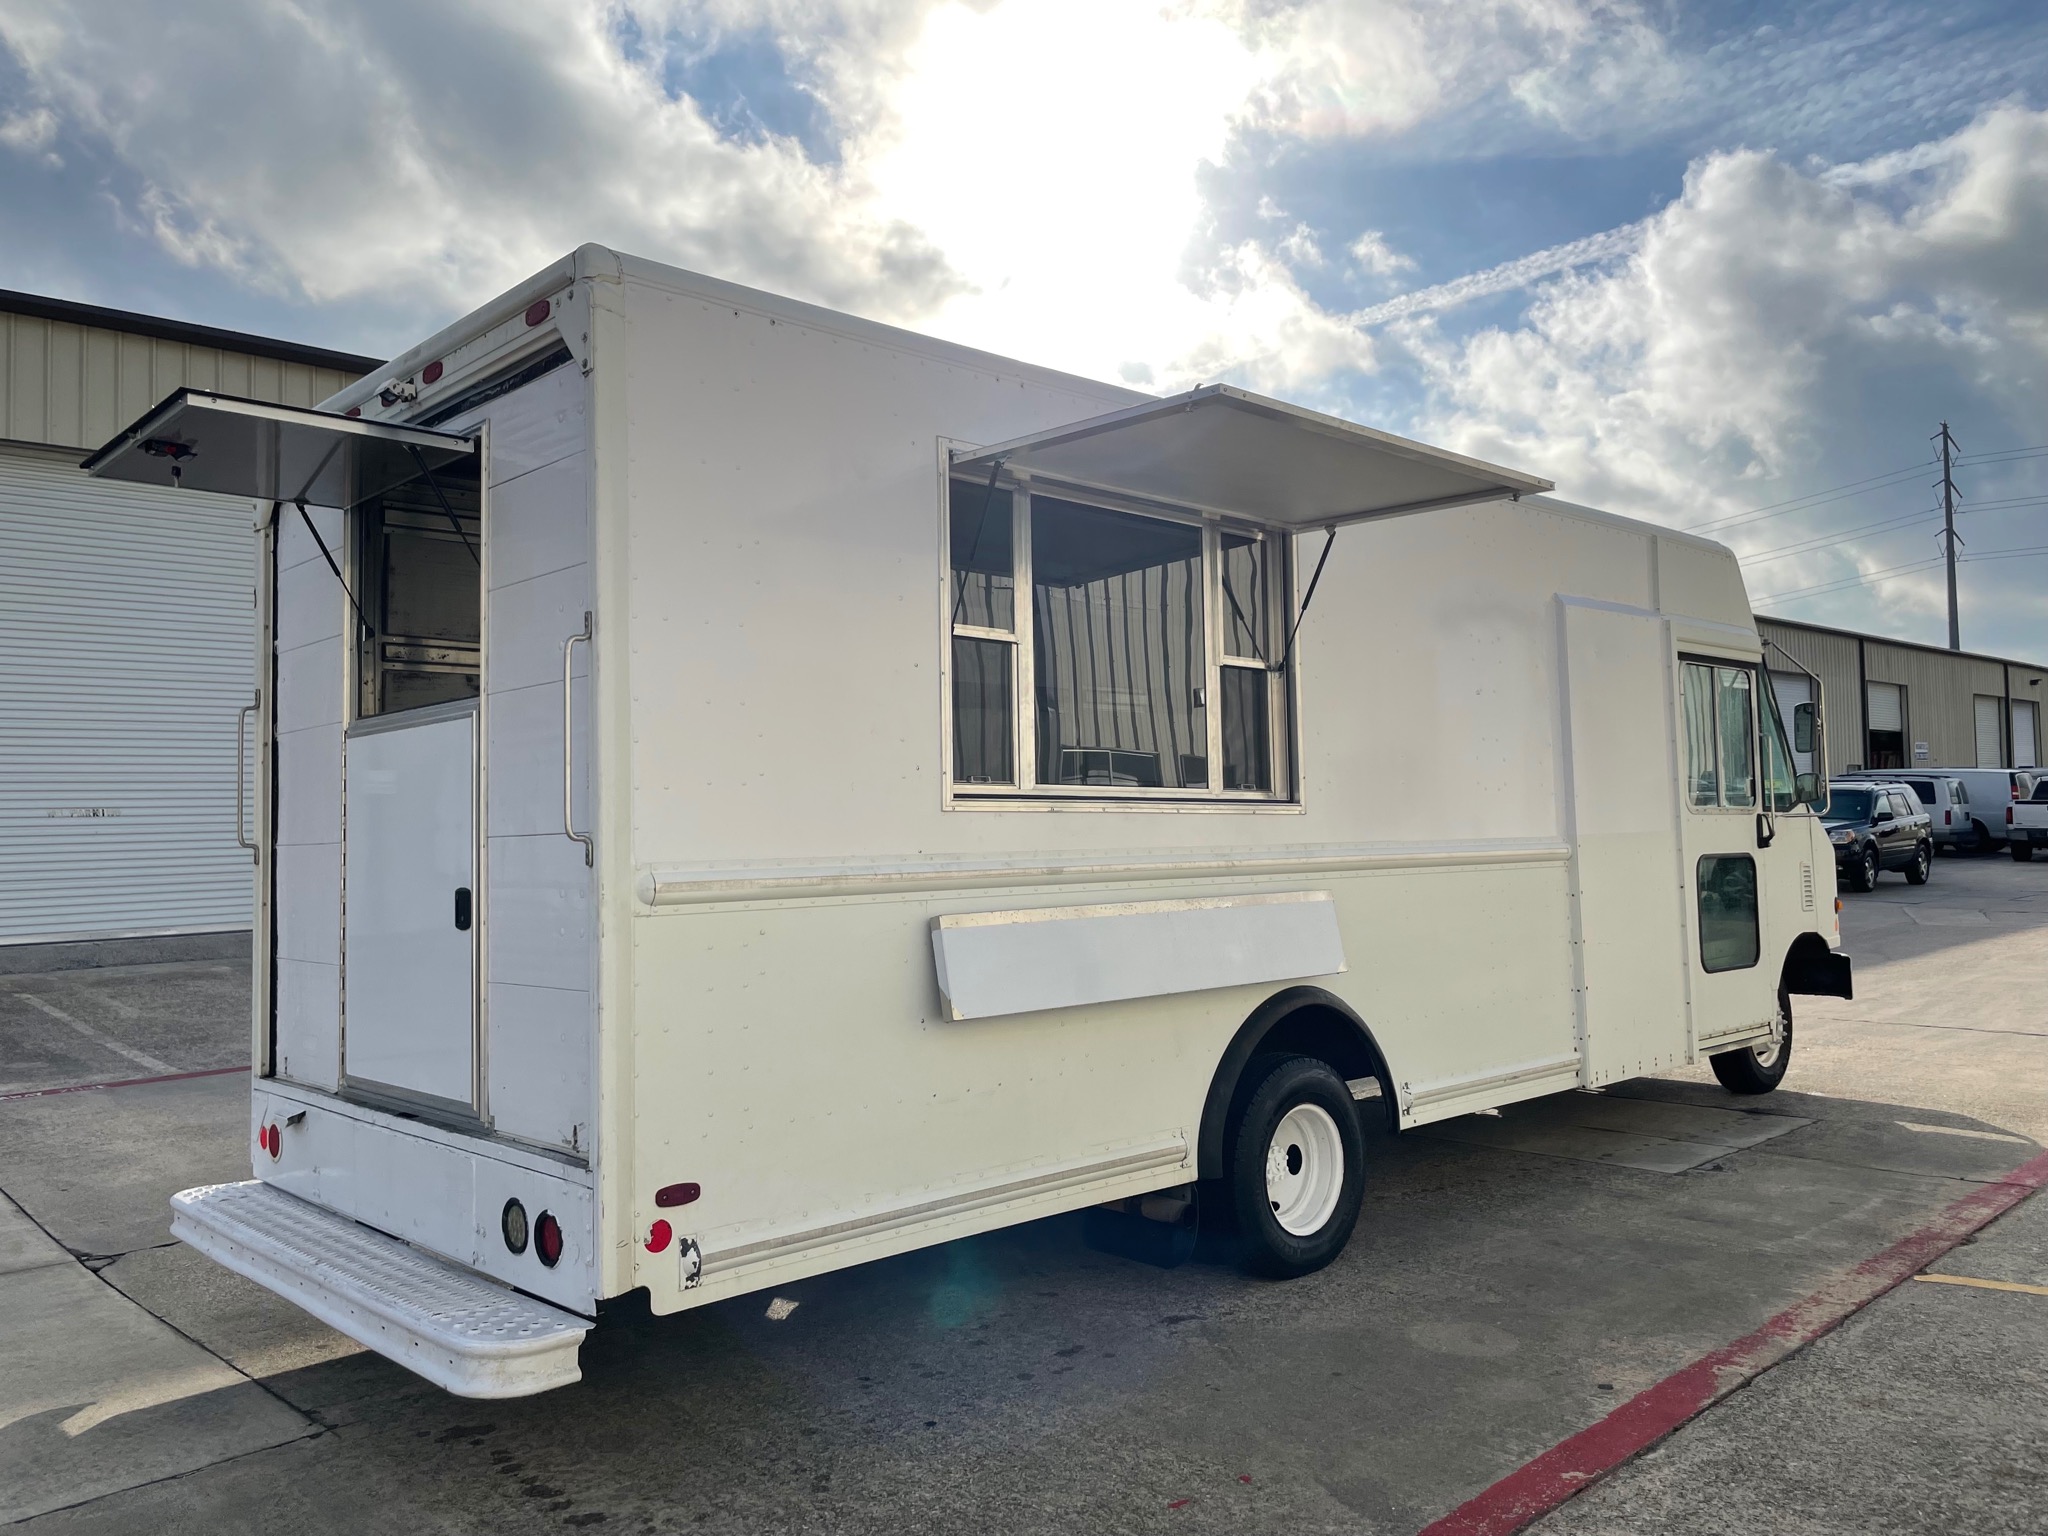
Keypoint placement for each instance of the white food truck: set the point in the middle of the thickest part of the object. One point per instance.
(740, 791)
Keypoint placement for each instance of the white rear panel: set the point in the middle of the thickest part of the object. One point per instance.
(411, 847)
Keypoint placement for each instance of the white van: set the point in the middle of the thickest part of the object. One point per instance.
(1988, 792)
(742, 791)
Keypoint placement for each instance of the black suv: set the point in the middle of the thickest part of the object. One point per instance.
(1877, 825)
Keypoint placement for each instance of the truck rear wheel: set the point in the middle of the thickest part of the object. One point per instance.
(1761, 1067)
(2022, 851)
(1296, 1166)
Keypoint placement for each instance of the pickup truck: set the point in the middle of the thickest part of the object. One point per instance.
(2026, 824)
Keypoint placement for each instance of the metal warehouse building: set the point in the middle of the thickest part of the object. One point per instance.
(126, 628)
(1893, 704)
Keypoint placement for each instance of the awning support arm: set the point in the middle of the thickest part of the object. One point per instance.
(453, 521)
(1329, 538)
(361, 618)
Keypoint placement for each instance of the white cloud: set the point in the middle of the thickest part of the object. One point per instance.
(1025, 175)
(1783, 327)
(1373, 255)
(446, 151)
(31, 133)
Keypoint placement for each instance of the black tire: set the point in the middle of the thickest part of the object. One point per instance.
(1980, 837)
(1758, 1068)
(1922, 865)
(1863, 873)
(2023, 852)
(1275, 1088)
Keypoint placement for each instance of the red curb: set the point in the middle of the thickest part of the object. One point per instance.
(1572, 1465)
(126, 1082)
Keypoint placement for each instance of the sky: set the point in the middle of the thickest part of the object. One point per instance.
(1726, 266)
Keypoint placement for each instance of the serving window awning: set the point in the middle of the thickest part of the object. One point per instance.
(1225, 450)
(235, 447)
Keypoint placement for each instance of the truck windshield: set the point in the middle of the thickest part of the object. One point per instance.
(1849, 805)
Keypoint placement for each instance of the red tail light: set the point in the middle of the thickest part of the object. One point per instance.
(538, 311)
(547, 1239)
(271, 1139)
(431, 374)
(659, 1236)
(676, 1194)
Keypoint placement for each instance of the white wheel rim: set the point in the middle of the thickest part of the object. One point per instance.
(1304, 1170)
(1766, 1053)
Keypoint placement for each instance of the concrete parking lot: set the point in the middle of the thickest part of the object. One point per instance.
(1514, 1281)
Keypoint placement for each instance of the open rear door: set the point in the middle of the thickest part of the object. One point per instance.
(369, 983)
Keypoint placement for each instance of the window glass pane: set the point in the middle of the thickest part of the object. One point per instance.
(1728, 935)
(1119, 653)
(1702, 783)
(1247, 727)
(983, 717)
(1850, 805)
(1738, 779)
(983, 571)
(1780, 792)
(1246, 596)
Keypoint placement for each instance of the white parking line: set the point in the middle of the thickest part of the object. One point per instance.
(140, 1058)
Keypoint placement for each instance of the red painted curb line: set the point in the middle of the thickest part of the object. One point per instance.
(1572, 1465)
(126, 1082)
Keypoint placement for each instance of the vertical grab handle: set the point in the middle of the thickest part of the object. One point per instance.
(242, 776)
(569, 747)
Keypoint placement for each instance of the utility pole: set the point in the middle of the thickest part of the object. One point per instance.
(1948, 520)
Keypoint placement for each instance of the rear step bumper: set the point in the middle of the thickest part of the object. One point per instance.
(449, 1324)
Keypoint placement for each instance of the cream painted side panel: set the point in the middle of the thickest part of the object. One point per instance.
(796, 1062)
(311, 619)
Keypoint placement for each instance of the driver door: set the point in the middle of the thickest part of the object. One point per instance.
(1734, 984)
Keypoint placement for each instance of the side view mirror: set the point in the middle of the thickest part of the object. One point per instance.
(1803, 718)
(1883, 816)
(1806, 789)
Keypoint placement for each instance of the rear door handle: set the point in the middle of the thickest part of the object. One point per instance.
(462, 907)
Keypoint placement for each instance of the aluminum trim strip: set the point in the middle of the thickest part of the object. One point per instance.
(764, 1249)
(861, 877)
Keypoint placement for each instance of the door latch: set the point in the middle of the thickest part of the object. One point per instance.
(462, 906)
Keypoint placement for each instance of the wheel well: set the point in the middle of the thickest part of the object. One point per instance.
(1814, 969)
(1301, 1021)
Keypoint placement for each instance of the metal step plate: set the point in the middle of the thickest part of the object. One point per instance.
(451, 1325)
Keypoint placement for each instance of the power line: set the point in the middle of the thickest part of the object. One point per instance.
(1894, 573)
(1815, 499)
(1864, 579)
(1821, 541)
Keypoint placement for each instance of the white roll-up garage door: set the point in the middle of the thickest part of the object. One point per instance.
(126, 647)
(1990, 739)
(2026, 734)
(1886, 713)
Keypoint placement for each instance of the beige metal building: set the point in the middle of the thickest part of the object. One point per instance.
(1893, 704)
(125, 628)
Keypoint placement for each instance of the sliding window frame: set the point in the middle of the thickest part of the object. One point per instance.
(1283, 747)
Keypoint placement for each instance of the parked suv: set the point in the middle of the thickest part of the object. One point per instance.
(1946, 801)
(1878, 824)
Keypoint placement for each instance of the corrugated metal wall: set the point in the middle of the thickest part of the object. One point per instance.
(75, 386)
(1941, 690)
(125, 650)
(1833, 657)
(126, 642)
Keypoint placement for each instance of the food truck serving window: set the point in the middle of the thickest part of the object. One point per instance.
(1128, 655)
